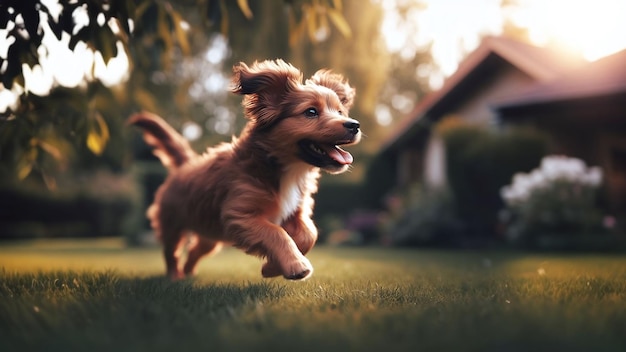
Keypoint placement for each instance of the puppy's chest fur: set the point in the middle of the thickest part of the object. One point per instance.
(293, 185)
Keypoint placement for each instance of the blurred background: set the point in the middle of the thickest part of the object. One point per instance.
(487, 122)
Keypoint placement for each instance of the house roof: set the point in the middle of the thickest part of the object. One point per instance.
(603, 77)
(541, 64)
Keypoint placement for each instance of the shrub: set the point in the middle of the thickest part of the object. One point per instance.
(424, 217)
(557, 199)
(479, 162)
(99, 204)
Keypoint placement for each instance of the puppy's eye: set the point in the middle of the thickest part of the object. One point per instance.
(340, 112)
(311, 113)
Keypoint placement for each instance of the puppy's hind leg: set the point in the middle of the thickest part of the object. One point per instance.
(203, 247)
(172, 250)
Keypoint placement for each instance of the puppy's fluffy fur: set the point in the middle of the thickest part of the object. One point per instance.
(254, 193)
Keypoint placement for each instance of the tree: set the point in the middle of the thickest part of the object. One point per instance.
(154, 35)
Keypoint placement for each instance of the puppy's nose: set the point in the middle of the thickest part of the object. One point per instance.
(352, 126)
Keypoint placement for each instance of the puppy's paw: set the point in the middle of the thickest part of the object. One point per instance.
(299, 268)
(175, 275)
(271, 269)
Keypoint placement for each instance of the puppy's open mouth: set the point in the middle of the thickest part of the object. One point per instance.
(325, 155)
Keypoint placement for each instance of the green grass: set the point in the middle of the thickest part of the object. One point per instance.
(99, 296)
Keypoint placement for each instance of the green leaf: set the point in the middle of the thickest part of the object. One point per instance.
(224, 18)
(98, 134)
(4, 19)
(56, 28)
(82, 35)
(51, 149)
(245, 8)
(23, 170)
(29, 55)
(340, 22)
(338, 5)
(296, 29)
(122, 10)
(27, 161)
(141, 9)
(30, 15)
(145, 100)
(310, 15)
(106, 43)
(163, 28)
(14, 66)
(181, 35)
(66, 18)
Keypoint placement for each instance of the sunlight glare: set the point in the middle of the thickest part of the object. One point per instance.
(8, 98)
(592, 28)
(61, 66)
(454, 28)
(116, 71)
(37, 80)
(191, 131)
(383, 115)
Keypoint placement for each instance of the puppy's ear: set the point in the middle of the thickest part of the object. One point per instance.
(265, 86)
(337, 83)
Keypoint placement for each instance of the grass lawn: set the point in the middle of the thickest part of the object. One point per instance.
(96, 295)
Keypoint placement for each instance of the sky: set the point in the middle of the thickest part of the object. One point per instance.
(591, 28)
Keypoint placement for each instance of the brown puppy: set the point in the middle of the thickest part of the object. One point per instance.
(255, 193)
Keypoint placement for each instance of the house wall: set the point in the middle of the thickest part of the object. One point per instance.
(612, 159)
(504, 84)
(595, 133)
(598, 145)
(435, 163)
(409, 167)
(475, 108)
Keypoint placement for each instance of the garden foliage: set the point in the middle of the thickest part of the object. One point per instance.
(560, 198)
(425, 217)
(479, 162)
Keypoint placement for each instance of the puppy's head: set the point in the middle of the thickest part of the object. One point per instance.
(295, 121)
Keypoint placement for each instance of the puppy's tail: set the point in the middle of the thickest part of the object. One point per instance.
(169, 146)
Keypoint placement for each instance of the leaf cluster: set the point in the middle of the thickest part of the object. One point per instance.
(154, 35)
(26, 23)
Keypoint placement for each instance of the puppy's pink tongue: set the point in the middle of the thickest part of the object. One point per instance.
(339, 155)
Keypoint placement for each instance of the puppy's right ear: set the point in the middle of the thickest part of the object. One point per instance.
(337, 83)
(265, 86)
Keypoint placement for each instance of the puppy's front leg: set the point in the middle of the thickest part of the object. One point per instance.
(261, 237)
(303, 232)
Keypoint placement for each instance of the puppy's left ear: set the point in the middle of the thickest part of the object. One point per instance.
(265, 85)
(337, 83)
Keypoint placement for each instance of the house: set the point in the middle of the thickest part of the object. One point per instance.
(584, 112)
(580, 105)
(497, 69)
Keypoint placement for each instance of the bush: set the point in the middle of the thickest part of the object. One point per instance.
(425, 217)
(100, 204)
(479, 162)
(560, 198)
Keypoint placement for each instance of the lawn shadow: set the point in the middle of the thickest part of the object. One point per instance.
(71, 310)
(209, 295)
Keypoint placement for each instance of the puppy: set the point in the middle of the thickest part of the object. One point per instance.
(254, 193)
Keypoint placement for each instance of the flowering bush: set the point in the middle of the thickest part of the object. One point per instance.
(558, 198)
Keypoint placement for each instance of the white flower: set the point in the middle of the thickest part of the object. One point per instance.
(594, 176)
(556, 167)
(553, 168)
(537, 180)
